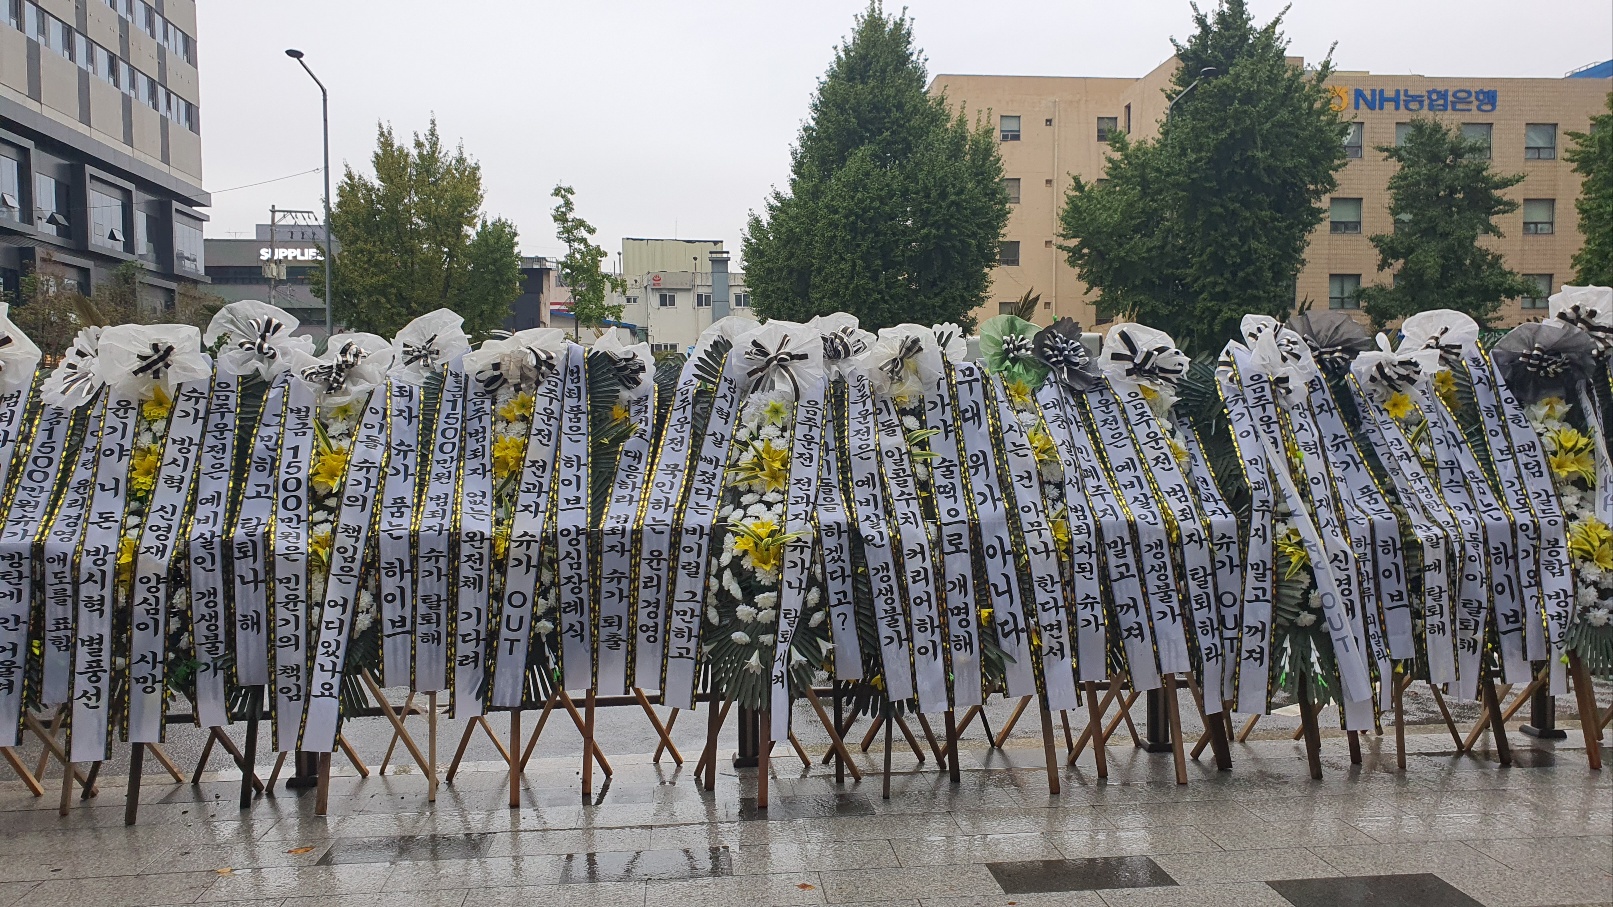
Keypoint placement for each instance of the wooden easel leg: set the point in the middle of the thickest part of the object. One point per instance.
(404, 713)
(90, 788)
(708, 759)
(39, 729)
(1399, 691)
(249, 758)
(1094, 729)
(929, 737)
(22, 771)
(1069, 741)
(800, 752)
(201, 763)
(66, 803)
(660, 748)
(1354, 738)
(543, 718)
(985, 725)
(352, 756)
(431, 745)
(459, 753)
(1013, 719)
(1125, 714)
(588, 744)
(54, 747)
(1050, 748)
(1173, 710)
(279, 763)
(764, 753)
(322, 795)
(1248, 727)
(951, 759)
(662, 731)
(515, 764)
(1215, 730)
(1308, 728)
(1445, 712)
(873, 731)
(1483, 724)
(889, 712)
(907, 732)
(131, 798)
(1498, 726)
(1585, 699)
(161, 755)
(837, 744)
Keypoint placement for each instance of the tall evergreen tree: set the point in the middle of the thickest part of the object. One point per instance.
(1592, 156)
(1444, 198)
(581, 268)
(894, 207)
(413, 239)
(1209, 221)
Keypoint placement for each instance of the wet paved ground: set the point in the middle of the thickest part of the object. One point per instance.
(1449, 831)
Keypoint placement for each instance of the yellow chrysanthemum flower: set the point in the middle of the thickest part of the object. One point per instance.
(765, 466)
(1445, 387)
(501, 544)
(347, 411)
(1061, 531)
(329, 468)
(1292, 546)
(143, 469)
(1047, 453)
(1148, 393)
(1019, 394)
(1591, 540)
(127, 546)
(620, 413)
(158, 408)
(762, 541)
(508, 455)
(775, 412)
(1398, 405)
(319, 546)
(1566, 440)
(519, 409)
(1178, 450)
(1572, 464)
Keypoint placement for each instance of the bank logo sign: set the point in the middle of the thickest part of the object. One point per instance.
(1434, 100)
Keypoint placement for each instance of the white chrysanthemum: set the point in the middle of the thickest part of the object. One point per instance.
(740, 638)
(769, 432)
(766, 616)
(766, 600)
(767, 408)
(818, 617)
(727, 556)
(910, 423)
(1598, 617)
(749, 498)
(711, 615)
(1587, 595)
(746, 614)
(544, 627)
(813, 596)
(758, 510)
(1306, 619)
(1315, 601)
(766, 639)
(773, 497)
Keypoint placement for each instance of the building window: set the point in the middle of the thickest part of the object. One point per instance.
(1007, 308)
(668, 300)
(188, 246)
(1047, 122)
(1537, 299)
(1353, 139)
(1010, 128)
(1107, 127)
(1008, 253)
(1012, 185)
(10, 188)
(14, 13)
(33, 22)
(1540, 142)
(148, 19)
(632, 301)
(1539, 216)
(1402, 131)
(702, 300)
(1342, 290)
(1128, 119)
(663, 348)
(147, 227)
(741, 300)
(1480, 133)
(1344, 216)
(108, 216)
(51, 205)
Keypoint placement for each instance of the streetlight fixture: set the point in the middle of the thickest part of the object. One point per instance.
(324, 102)
(1208, 72)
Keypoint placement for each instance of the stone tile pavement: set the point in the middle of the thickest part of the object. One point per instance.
(1449, 831)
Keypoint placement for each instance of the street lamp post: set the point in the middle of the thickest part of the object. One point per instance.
(1208, 72)
(324, 103)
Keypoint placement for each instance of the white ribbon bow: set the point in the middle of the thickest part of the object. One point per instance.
(353, 365)
(136, 360)
(634, 366)
(254, 339)
(904, 360)
(781, 356)
(19, 357)
(521, 361)
(428, 343)
(1136, 352)
(1587, 308)
(1450, 332)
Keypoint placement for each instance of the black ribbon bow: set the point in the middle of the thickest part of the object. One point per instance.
(334, 374)
(1067, 358)
(629, 370)
(893, 367)
(1585, 319)
(768, 362)
(842, 344)
(1397, 374)
(423, 354)
(156, 363)
(263, 328)
(1539, 361)
(1147, 364)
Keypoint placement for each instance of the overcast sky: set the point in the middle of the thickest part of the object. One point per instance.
(674, 118)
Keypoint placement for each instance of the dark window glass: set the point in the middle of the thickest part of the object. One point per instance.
(1342, 290)
(1538, 298)
(1540, 141)
(1012, 185)
(1539, 216)
(1010, 128)
(108, 217)
(1008, 252)
(1353, 140)
(10, 188)
(188, 246)
(1107, 127)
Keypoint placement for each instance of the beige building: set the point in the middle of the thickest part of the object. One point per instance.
(100, 142)
(1054, 128)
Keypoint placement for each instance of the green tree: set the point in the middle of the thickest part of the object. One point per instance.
(895, 206)
(1209, 221)
(582, 269)
(1443, 199)
(1592, 156)
(414, 239)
